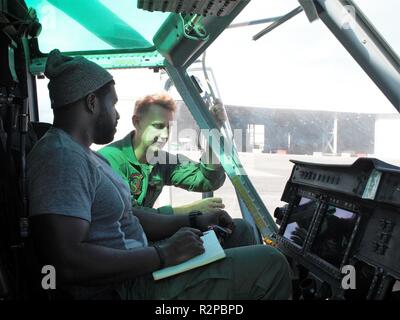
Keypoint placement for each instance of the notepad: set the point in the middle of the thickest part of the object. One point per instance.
(213, 252)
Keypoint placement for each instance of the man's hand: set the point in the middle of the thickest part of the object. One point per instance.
(208, 205)
(299, 235)
(221, 218)
(218, 113)
(183, 245)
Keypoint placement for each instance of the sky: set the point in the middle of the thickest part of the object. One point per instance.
(299, 64)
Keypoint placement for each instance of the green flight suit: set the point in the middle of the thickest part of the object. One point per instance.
(253, 272)
(146, 181)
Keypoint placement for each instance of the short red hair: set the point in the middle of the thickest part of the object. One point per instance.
(161, 99)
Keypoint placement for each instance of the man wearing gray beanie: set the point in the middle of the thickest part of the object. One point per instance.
(82, 219)
(72, 79)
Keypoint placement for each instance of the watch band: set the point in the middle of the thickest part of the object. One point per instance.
(193, 219)
(160, 255)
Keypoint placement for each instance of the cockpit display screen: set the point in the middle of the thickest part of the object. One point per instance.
(334, 235)
(300, 220)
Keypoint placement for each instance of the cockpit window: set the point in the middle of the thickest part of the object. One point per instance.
(95, 25)
(296, 93)
(382, 14)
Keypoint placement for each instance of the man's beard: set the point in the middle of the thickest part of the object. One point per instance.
(105, 130)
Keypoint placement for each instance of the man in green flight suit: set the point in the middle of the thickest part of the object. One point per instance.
(133, 159)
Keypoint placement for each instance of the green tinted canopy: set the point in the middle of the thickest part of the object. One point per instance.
(95, 25)
(116, 34)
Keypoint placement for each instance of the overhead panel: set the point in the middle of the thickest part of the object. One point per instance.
(201, 7)
(109, 60)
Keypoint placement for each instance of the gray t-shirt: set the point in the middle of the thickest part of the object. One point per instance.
(68, 179)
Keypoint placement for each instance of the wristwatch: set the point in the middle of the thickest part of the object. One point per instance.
(193, 219)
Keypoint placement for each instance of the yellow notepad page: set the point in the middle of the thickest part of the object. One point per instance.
(213, 252)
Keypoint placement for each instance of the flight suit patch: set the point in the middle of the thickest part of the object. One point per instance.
(135, 183)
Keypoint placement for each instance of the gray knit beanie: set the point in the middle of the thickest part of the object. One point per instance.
(72, 78)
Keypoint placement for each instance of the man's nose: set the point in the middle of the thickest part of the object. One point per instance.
(164, 133)
(117, 115)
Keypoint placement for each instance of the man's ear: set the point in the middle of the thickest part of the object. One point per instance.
(135, 120)
(91, 101)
